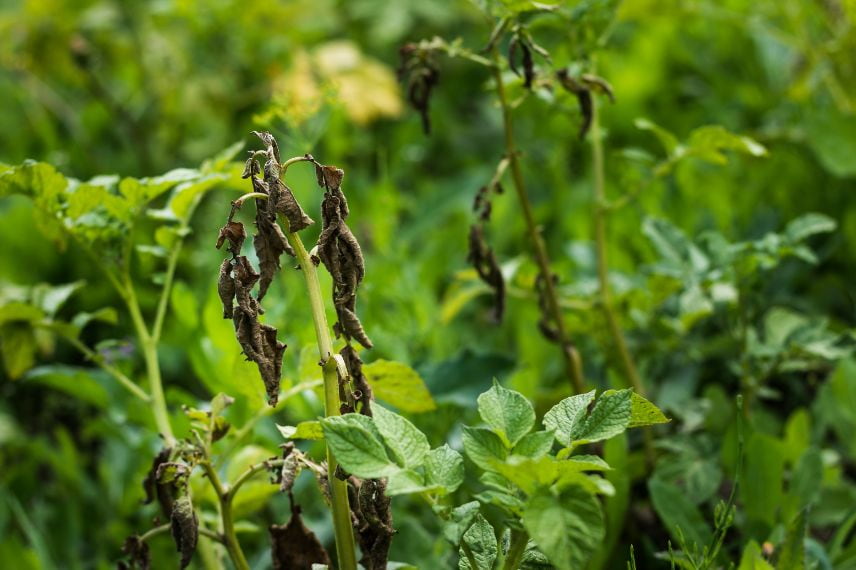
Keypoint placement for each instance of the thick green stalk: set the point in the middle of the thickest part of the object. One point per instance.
(573, 365)
(230, 539)
(338, 489)
(600, 212)
(519, 538)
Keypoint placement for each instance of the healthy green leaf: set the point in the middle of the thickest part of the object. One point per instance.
(310, 430)
(404, 482)
(508, 413)
(753, 558)
(534, 445)
(358, 446)
(399, 385)
(808, 225)
(644, 413)
(792, 552)
(407, 443)
(567, 527)
(610, 417)
(479, 542)
(460, 520)
(566, 417)
(483, 447)
(678, 512)
(444, 467)
(763, 473)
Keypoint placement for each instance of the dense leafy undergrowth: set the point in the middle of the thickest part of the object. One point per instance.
(588, 307)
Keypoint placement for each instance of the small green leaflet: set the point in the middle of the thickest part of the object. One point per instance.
(508, 413)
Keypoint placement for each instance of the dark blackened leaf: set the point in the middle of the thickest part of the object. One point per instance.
(287, 205)
(138, 553)
(374, 522)
(226, 287)
(329, 177)
(270, 142)
(362, 390)
(291, 467)
(235, 233)
(185, 528)
(421, 74)
(512, 55)
(155, 489)
(295, 547)
(585, 102)
(270, 244)
(528, 66)
(483, 260)
(220, 428)
(599, 84)
(251, 168)
(582, 88)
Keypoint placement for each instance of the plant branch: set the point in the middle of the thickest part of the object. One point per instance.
(573, 365)
(246, 475)
(151, 533)
(117, 374)
(338, 489)
(163, 302)
(230, 539)
(600, 212)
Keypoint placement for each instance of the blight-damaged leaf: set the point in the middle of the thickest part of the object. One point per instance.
(185, 528)
(295, 547)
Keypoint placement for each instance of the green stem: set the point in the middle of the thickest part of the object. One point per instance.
(230, 539)
(338, 489)
(246, 475)
(573, 365)
(600, 212)
(164, 528)
(163, 302)
(150, 355)
(519, 538)
(99, 361)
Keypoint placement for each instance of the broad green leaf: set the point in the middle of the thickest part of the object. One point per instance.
(529, 474)
(534, 445)
(17, 348)
(20, 311)
(407, 443)
(763, 473)
(479, 542)
(566, 417)
(567, 527)
(585, 463)
(399, 385)
(459, 521)
(311, 430)
(50, 298)
(676, 511)
(76, 382)
(444, 467)
(183, 305)
(105, 314)
(667, 139)
(610, 417)
(358, 446)
(808, 225)
(31, 179)
(644, 413)
(404, 482)
(831, 135)
(508, 413)
(797, 436)
(483, 447)
(792, 552)
(708, 142)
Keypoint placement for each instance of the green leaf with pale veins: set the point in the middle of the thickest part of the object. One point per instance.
(444, 467)
(399, 385)
(404, 482)
(407, 443)
(610, 417)
(535, 445)
(644, 413)
(508, 413)
(481, 546)
(567, 527)
(358, 446)
(566, 417)
(483, 447)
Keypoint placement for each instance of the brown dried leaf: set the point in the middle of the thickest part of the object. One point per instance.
(153, 488)
(138, 551)
(287, 205)
(373, 522)
(235, 233)
(483, 260)
(226, 288)
(421, 74)
(362, 390)
(184, 528)
(295, 547)
(270, 142)
(251, 168)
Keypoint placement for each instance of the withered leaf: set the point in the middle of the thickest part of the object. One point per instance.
(362, 390)
(251, 168)
(270, 142)
(185, 528)
(483, 260)
(235, 233)
(270, 244)
(295, 547)
(287, 205)
(329, 177)
(373, 522)
(138, 552)
(421, 74)
(153, 488)
(226, 288)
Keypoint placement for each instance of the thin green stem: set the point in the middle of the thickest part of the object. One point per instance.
(519, 538)
(600, 213)
(573, 365)
(164, 528)
(99, 361)
(150, 356)
(230, 539)
(246, 475)
(163, 302)
(338, 489)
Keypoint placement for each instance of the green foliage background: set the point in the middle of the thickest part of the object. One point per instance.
(137, 89)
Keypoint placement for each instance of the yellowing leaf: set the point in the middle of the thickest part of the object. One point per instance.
(399, 385)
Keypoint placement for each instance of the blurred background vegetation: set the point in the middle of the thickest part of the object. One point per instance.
(139, 88)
